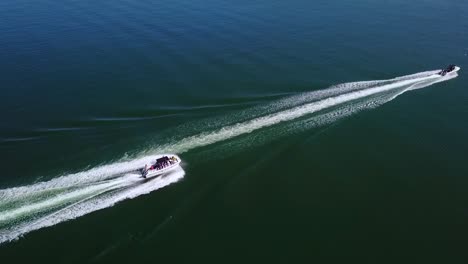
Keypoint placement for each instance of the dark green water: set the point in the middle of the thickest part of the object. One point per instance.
(272, 172)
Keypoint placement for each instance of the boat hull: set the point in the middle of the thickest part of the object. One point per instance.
(454, 70)
(162, 171)
(447, 72)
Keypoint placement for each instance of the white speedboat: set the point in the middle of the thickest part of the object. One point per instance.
(451, 68)
(161, 166)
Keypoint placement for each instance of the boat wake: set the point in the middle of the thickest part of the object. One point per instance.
(31, 207)
(30, 210)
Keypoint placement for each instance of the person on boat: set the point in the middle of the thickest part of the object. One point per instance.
(145, 171)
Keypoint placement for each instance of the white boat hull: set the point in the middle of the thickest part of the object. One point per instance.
(446, 72)
(454, 70)
(158, 172)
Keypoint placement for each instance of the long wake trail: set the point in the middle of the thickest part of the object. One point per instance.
(31, 207)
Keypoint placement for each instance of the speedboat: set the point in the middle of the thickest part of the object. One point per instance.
(451, 68)
(161, 166)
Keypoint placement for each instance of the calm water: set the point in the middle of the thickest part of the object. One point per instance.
(272, 171)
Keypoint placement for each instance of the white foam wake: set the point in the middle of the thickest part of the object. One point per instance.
(84, 192)
(238, 129)
(86, 200)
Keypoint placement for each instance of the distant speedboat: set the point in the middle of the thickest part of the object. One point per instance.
(162, 165)
(451, 68)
